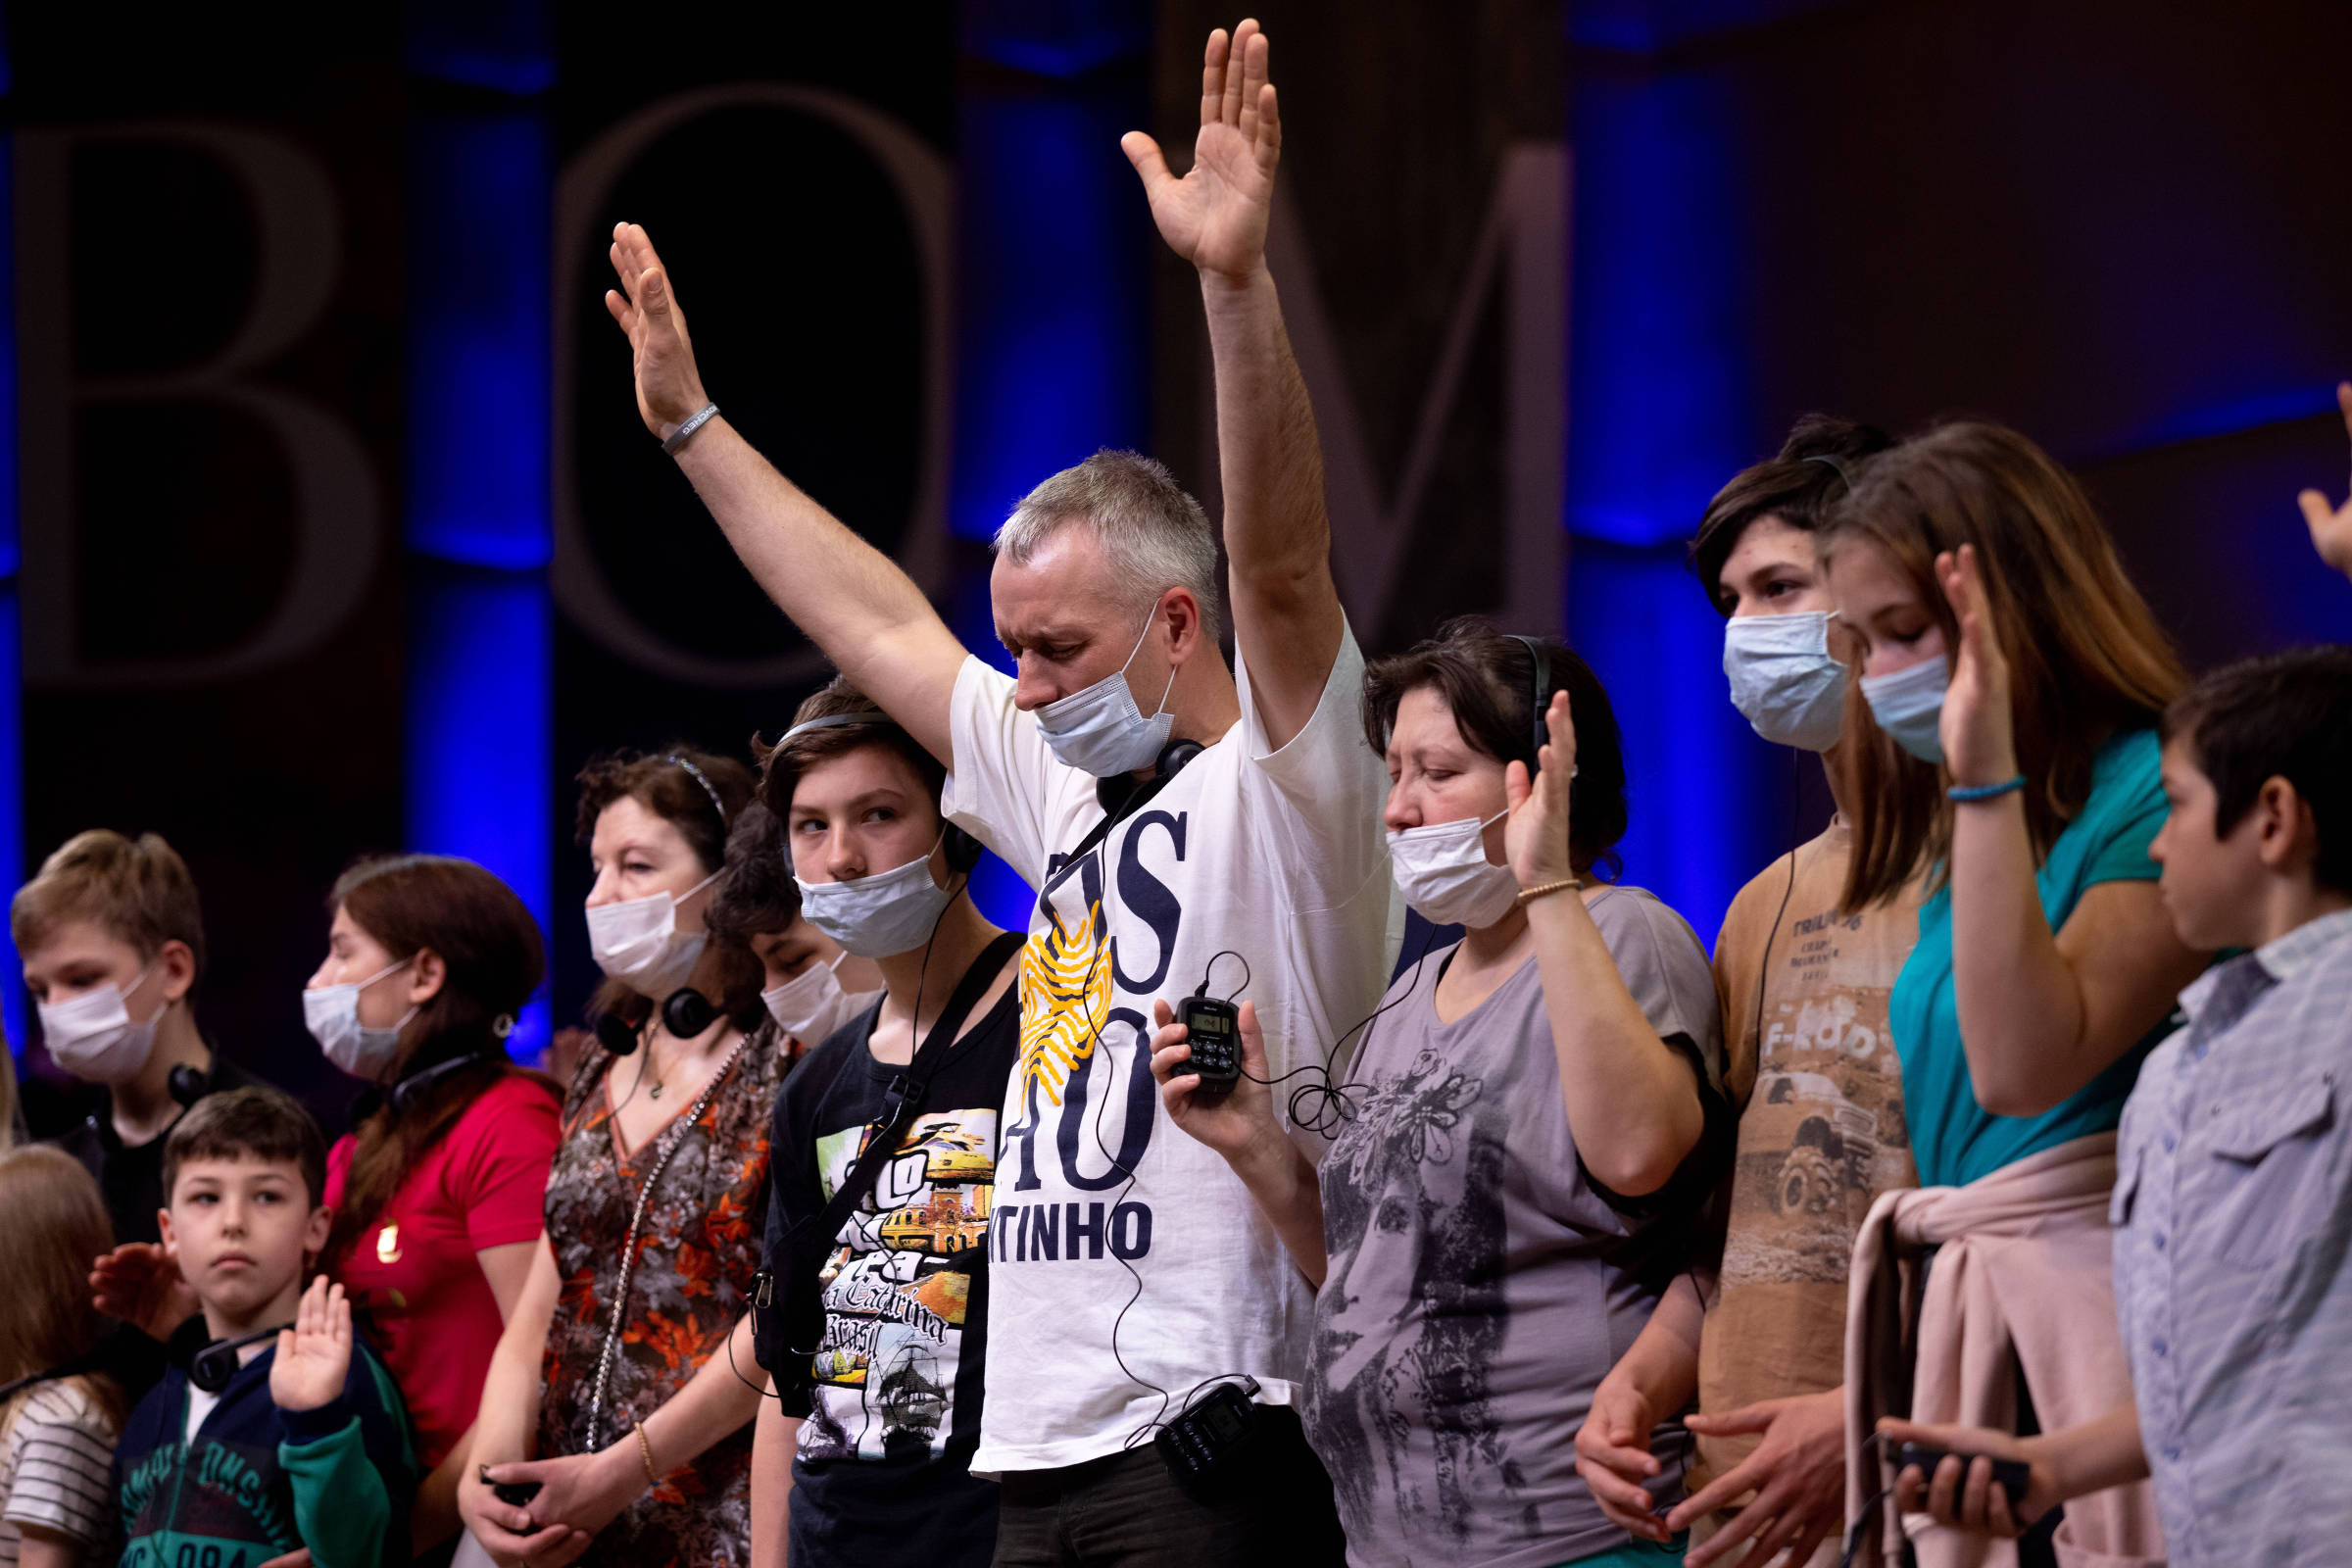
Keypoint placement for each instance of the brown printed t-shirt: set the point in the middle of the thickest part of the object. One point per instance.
(1820, 1097)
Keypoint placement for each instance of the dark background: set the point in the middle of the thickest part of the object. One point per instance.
(339, 531)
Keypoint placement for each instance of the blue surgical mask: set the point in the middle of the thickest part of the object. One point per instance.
(875, 916)
(1909, 705)
(1100, 730)
(1785, 681)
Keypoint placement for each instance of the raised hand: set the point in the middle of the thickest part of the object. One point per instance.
(314, 1356)
(2331, 527)
(1239, 1121)
(1535, 837)
(140, 1283)
(1978, 732)
(670, 389)
(1797, 1474)
(1216, 216)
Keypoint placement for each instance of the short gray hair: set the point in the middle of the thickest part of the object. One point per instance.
(1154, 536)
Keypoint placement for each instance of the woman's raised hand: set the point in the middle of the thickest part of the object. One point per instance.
(1979, 733)
(1535, 837)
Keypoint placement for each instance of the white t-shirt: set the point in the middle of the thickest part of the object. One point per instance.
(1101, 1205)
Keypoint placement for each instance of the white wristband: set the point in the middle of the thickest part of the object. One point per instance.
(677, 437)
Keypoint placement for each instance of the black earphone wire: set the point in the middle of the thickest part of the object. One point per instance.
(914, 1045)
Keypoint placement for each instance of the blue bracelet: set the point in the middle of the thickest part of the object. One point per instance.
(1964, 792)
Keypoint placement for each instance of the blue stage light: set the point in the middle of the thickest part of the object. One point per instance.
(480, 695)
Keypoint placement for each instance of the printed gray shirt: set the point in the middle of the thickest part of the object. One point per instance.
(2233, 1222)
(1480, 1283)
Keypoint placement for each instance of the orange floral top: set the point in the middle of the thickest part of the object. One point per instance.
(696, 1255)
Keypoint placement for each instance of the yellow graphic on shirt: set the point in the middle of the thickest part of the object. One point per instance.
(1065, 1000)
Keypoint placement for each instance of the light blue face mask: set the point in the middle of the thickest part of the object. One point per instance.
(1785, 681)
(1909, 705)
(875, 916)
(1101, 731)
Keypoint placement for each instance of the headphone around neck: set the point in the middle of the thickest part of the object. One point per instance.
(216, 1363)
(1113, 792)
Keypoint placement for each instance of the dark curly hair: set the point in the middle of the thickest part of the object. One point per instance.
(662, 783)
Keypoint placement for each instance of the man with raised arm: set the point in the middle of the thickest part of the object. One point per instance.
(1189, 826)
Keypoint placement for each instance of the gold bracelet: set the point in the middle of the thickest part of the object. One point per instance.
(1528, 896)
(644, 1451)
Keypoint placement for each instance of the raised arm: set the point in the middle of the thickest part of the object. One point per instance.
(851, 600)
(1632, 1104)
(2042, 1014)
(2331, 527)
(1285, 610)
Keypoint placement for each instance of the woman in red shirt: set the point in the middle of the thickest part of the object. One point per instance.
(437, 1189)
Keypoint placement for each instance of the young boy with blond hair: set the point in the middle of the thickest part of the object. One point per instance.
(112, 938)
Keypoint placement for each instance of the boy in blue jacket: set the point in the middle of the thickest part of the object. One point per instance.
(250, 1450)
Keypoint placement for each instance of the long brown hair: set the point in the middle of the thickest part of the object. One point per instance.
(57, 1227)
(489, 945)
(662, 783)
(2087, 657)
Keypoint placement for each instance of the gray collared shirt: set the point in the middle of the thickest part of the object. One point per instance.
(2233, 1257)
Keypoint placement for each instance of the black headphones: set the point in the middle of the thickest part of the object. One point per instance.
(685, 1013)
(1537, 732)
(216, 1363)
(189, 1083)
(963, 850)
(1111, 793)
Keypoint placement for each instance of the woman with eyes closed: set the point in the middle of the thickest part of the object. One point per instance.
(1537, 1115)
(625, 1366)
(2004, 747)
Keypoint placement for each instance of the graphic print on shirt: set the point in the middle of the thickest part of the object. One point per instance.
(1084, 1100)
(896, 1288)
(1823, 1133)
(1420, 1177)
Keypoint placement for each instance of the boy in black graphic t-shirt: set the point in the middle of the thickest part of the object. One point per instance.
(875, 1356)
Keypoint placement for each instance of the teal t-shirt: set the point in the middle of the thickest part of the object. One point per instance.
(1955, 1140)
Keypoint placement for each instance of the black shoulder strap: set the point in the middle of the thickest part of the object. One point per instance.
(904, 1099)
(1133, 804)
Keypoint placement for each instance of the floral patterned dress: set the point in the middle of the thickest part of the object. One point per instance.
(696, 1255)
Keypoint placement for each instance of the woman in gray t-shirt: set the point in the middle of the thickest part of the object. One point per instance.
(1535, 1119)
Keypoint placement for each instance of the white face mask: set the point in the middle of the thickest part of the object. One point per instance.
(875, 916)
(1444, 874)
(332, 1014)
(1785, 681)
(812, 1004)
(1100, 730)
(1909, 705)
(94, 1038)
(638, 943)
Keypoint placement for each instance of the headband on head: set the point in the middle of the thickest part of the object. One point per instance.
(863, 715)
(1844, 472)
(709, 788)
